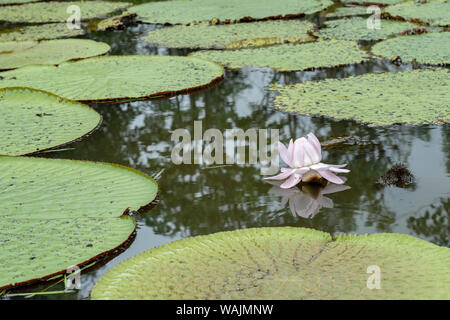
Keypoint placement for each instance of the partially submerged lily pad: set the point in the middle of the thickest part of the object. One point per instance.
(43, 12)
(282, 263)
(114, 78)
(356, 29)
(434, 12)
(219, 36)
(412, 97)
(348, 12)
(33, 121)
(39, 32)
(184, 12)
(290, 57)
(55, 214)
(117, 23)
(429, 48)
(18, 54)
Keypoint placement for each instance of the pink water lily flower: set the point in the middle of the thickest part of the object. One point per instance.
(303, 157)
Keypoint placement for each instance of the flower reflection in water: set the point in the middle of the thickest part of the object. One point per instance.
(306, 200)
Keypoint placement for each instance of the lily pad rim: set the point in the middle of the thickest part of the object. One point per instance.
(59, 146)
(124, 215)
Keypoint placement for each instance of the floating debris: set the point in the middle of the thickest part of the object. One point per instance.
(399, 176)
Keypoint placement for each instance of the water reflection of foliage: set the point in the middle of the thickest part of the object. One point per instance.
(195, 200)
(434, 224)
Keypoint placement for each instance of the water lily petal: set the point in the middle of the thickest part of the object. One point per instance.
(312, 139)
(299, 152)
(320, 166)
(291, 181)
(291, 151)
(311, 156)
(337, 170)
(284, 153)
(330, 176)
(282, 176)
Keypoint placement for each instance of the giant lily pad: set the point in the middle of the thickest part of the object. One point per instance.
(18, 54)
(39, 32)
(33, 121)
(356, 29)
(58, 213)
(282, 263)
(219, 36)
(288, 57)
(114, 78)
(413, 97)
(183, 12)
(433, 13)
(431, 48)
(57, 11)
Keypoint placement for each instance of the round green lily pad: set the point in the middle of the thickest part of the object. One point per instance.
(348, 12)
(39, 32)
(429, 48)
(219, 36)
(18, 54)
(434, 12)
(184, 12)
(53, 11)
(55, 214)
(282, 263)
(356, 29)
(412, 97)
(115, 78)
(290, 57)
(33, 121)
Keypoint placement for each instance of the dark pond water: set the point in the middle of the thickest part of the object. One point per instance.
(197, 200)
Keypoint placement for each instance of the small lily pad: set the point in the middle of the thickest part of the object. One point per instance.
(220, 36)
(116, 78)
(53, 11)
(290, 57)
(39, 32)
(436, 13)
(356, 29)
(411, 97)
(429, 48)
(55, 214)
(18, 54)
(282, 263)
(33, 121)
(184, 12)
